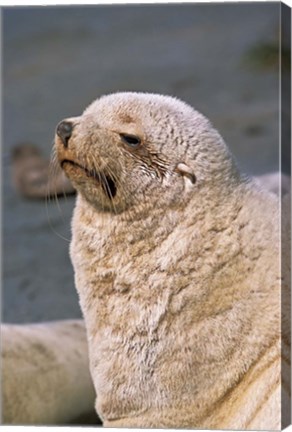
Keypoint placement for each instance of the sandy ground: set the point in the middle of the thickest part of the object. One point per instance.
(57, 60)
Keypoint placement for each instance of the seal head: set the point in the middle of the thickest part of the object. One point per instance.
(126, 147)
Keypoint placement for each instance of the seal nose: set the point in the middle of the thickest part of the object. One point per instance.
(64, 131)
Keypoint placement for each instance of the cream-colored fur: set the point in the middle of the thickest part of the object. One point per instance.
(178, 275)
(44, 373)
(275, 182)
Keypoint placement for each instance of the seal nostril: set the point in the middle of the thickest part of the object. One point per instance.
(64, 131)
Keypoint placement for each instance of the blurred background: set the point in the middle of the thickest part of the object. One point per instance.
(57, 60)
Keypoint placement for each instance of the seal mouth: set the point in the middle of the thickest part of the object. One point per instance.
(107, 183)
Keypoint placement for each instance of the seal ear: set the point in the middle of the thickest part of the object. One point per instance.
(185, 171)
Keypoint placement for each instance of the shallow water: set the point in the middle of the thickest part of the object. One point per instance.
(56, 60)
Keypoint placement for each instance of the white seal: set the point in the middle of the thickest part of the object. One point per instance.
(176, 258)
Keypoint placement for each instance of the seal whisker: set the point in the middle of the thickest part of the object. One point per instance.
(56, 198)
(48, 196)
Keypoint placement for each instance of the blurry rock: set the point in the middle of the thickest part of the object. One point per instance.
(34, 177)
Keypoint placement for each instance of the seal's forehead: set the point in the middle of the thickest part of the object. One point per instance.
(149, 115)
(131, 107)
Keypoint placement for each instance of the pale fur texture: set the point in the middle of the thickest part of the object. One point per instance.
(176, 259)
(44, 373)
(275, 182)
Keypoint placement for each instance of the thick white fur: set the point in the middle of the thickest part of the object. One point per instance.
(179, 280)
(275, 182)
(179, 285)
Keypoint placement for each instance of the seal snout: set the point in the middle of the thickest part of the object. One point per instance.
(64, 131)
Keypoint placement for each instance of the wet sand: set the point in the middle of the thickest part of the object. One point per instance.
(56, 60)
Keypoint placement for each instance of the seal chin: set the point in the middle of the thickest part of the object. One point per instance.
(74, 171)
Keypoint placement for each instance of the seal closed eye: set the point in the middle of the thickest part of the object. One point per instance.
(132, 140)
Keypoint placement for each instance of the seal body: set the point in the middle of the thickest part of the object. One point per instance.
(176, 265)
(44, 373)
